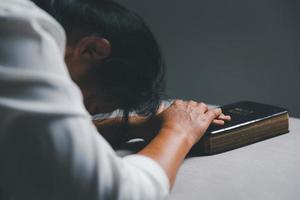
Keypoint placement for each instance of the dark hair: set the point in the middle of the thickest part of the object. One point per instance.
(134, 72)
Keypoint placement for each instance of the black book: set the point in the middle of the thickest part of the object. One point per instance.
(250, 122)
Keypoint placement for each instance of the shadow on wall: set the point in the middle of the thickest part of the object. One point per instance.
(224, 51)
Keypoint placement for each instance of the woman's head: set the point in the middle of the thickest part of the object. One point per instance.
(111, 52)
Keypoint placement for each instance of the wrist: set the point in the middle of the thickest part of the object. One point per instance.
(185, 136)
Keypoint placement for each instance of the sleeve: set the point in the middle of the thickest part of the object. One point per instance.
(49, 148)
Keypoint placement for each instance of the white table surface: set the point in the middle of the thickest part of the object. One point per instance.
(267, 170)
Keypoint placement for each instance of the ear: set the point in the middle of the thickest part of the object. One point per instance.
(93, 48)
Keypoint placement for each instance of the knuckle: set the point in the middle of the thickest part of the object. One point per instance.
(212, 113)
(218, 111)
(191, 102)
(203, 105)
(178, 102)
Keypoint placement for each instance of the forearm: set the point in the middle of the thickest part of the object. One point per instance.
(168, 149)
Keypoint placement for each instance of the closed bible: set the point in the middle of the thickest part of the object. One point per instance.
(250, 122)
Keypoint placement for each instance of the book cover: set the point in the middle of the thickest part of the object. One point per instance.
(250, 122)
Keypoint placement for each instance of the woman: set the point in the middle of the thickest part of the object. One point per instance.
(116, 61)
(49, 148)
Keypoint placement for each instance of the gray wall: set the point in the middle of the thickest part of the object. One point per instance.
(221, 51)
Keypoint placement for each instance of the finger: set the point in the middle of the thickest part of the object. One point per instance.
(224, 117)
(203, 107)
(193, 103)
(213, 113)
(218, 122)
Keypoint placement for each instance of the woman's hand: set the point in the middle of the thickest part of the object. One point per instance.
(219, 121)
(173, 132)
(182, 125)
(140, 127)
(191, 118)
